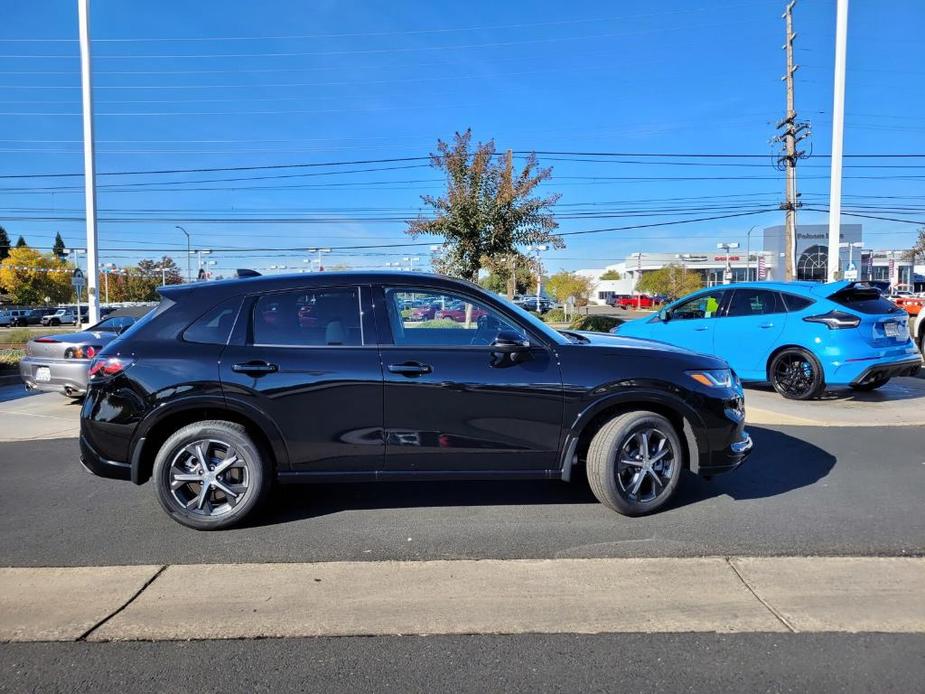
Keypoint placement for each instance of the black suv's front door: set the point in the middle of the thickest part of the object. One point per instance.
(308, 359)
(452, 403)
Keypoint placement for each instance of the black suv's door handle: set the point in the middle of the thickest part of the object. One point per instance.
(255, 367)
(410, 368)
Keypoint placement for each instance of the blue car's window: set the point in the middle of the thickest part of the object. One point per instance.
(865, 300)
(754, 302)
(704, 305)
(796, 303)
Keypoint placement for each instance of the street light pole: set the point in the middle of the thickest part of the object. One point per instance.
(189, 270)
(536, 250)
(93, 260)
(727, 275)
(838, 127)
(748, 254)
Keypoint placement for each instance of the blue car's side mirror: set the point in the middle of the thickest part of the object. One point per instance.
(664, 315)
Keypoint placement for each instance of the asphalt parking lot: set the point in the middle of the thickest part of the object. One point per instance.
(842, 478)
(807, 490)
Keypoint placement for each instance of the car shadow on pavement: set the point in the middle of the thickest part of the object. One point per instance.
(780, 463)
(906, 388)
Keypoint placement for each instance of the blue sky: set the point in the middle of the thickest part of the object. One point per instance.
(212, 84)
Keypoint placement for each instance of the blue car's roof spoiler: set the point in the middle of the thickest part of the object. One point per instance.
(830, 288)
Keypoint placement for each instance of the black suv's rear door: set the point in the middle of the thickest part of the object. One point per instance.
(308, 359)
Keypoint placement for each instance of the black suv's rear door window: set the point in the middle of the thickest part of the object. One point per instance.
(327, 316)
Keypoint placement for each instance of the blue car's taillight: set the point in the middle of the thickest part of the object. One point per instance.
(835, 320)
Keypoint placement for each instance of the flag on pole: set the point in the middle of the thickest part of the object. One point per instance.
(761, 267)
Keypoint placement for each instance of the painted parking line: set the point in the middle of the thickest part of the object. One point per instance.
(713, 594)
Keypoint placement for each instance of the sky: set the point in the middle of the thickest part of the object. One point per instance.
(355, 94)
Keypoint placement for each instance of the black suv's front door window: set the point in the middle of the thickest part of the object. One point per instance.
(443, 319)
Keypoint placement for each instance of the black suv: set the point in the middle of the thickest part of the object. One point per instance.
(230, 385)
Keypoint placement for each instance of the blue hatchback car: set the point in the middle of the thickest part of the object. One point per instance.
(799, 336)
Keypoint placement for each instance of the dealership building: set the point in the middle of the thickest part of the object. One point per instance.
(765, 261)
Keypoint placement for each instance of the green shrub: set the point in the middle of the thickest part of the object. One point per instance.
(596, 324)
(19, 336)
(10, 357)
(406, 313)
(554, 315)
(441, 323)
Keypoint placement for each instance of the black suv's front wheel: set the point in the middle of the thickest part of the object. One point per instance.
(634, 463)
(211, 475)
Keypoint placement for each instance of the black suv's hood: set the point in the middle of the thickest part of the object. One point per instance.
(618, 343)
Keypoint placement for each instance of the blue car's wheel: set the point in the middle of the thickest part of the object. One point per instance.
(797, 375)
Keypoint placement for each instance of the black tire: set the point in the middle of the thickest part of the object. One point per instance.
(612, 481)
(796, 375)
(250, 477)
(872, 385)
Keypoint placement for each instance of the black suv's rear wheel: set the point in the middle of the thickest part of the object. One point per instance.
(797, 375)
(634, 463)
(211, 475)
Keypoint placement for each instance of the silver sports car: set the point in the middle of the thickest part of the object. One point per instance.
(59, 363)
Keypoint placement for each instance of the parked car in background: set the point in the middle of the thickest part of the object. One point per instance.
(457, 311)
(11, 317)
(59, 363)
(214, 404)
(64, 316)
(631, 301)
(531, 303)
(800, 336)
(424, 312)
(31, 317)
(908, 302)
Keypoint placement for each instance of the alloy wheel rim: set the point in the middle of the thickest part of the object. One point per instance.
(645, 464)
(794, 375)
(208, 478)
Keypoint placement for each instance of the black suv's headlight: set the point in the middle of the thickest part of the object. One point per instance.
(713, 378)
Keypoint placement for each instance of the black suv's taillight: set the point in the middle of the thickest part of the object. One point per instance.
(105, 367)
(835, 320)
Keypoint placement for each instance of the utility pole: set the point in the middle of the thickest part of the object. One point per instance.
(189, 272)
(93, 258)
(838, 129)
(793, 133)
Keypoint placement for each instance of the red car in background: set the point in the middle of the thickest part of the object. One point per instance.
(457, 312)
(425, 312)
(627, 301)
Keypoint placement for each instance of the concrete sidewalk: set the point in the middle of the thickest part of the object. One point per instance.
(28, 416)
(733, 595)
(898, 403)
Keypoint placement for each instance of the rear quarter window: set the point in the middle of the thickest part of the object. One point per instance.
(214, 326)
(795, 303)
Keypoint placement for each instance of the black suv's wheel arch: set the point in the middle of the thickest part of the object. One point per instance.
(589, 422)
(152, 437)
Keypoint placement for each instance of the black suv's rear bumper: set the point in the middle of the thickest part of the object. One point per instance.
(93, 462)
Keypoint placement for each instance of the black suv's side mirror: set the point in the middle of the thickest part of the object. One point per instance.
(509, 342)
(509, 347)
(664, 315)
